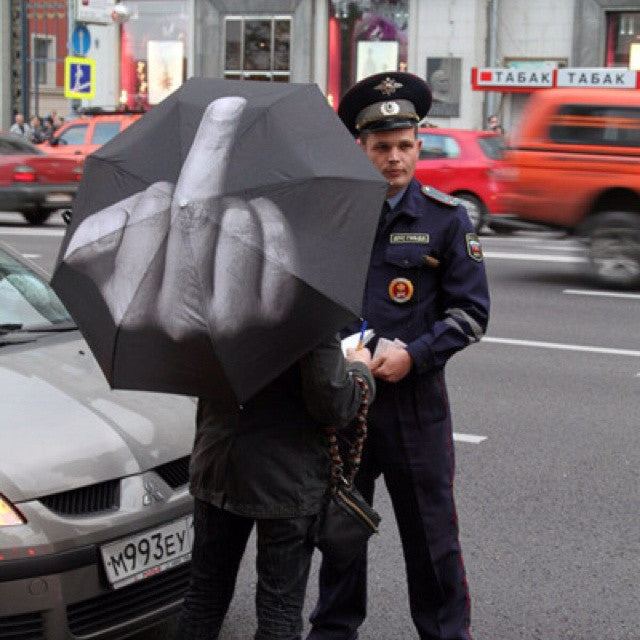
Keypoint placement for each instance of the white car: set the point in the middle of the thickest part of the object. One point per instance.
(95, 514)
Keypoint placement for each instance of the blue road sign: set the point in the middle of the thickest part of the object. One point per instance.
(81, 40)
(79, 78)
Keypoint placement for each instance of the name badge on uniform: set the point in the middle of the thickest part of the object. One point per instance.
(409, 238)
(401, 290)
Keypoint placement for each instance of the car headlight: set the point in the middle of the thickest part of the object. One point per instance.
(9, 515)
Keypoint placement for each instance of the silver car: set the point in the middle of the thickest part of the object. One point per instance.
(95, 514)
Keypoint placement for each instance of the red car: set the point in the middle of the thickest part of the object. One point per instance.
(84, 135)
(463, 163)
(34, 183)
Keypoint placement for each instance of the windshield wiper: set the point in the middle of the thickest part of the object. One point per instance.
(8, 327)
(12, 327)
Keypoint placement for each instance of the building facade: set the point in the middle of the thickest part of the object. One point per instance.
(156, 44)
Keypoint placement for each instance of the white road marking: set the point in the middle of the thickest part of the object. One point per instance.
(534, 257)
(26, 231)
(606, 294)
(32, 256)
(563, 347)
(468, 437)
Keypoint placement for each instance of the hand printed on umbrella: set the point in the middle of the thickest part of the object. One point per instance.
(228, 261)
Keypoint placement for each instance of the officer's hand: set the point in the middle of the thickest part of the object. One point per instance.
(359, 355)
(226, 259)
(392, 365)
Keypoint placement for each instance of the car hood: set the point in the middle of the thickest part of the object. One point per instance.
(62, 427)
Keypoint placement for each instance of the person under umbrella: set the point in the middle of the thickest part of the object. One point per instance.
(265, 461)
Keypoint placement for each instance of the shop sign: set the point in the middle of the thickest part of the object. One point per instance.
(606, 78)
(503, 77)
(525, 80)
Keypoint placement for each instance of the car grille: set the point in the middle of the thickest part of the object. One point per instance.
(104, 496)
(25, 627)
(135, 600)
(175, 473)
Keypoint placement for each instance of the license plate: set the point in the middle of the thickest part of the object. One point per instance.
(146, 554)
(58, 197)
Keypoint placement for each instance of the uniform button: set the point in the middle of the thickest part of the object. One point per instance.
(405, 262)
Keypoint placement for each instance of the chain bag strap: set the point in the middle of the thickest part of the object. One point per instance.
(346, 521)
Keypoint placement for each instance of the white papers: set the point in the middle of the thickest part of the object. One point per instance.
(351, 342)
(384, 344)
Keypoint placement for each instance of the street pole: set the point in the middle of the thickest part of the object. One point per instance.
(24, 60)
(492, 53)
(71, 24)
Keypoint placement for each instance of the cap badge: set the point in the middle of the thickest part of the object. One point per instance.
(389, 108)
(388, 86)
(401, 290)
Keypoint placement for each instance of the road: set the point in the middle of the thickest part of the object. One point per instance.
(546, 413)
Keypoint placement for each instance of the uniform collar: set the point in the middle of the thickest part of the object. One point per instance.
(393, 200)
(410, 200)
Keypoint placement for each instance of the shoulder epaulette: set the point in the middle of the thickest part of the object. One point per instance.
(440, 196)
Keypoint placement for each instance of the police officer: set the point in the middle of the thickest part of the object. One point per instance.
(426, 288)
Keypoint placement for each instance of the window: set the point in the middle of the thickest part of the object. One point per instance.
(623, 29)
(257, 48)
(74, 135)
(438, 146)
(492, 146)
(154, 45)
(596, 125)
(104, 131)
(364, 37)
(44, 70)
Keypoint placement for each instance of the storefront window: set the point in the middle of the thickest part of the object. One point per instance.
(623, 30)
(153, 51)
(257, 48)
(365, 37)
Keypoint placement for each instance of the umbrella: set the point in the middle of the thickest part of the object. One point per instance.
(219, 238)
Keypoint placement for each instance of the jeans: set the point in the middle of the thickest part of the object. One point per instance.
(283, 561)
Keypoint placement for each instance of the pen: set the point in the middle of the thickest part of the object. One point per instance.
(362, 330)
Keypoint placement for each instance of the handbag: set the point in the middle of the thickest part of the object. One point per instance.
(346, 521)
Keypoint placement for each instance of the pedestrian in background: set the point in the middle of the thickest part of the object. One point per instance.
(47, 127)
(427, 291)
(493, 124)
(266, 462)
(37, 134)
(20, 127)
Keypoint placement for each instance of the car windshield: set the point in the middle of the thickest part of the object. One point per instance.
(27, 302)
(492, 146)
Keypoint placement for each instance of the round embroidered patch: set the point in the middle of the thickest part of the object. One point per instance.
(401, 290)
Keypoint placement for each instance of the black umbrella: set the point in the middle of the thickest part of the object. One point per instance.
(219, 238)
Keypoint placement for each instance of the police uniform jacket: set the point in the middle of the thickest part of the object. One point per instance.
(269, 457)
(427, 284)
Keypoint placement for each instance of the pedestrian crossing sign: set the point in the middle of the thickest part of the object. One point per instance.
(79, 78)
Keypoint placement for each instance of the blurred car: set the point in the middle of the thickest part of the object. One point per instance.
(32, 182)
(95, 514)
(462, 163)
(572, 163)
(82, 136)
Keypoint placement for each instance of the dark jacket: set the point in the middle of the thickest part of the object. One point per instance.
(268, 458)
(429, 242)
